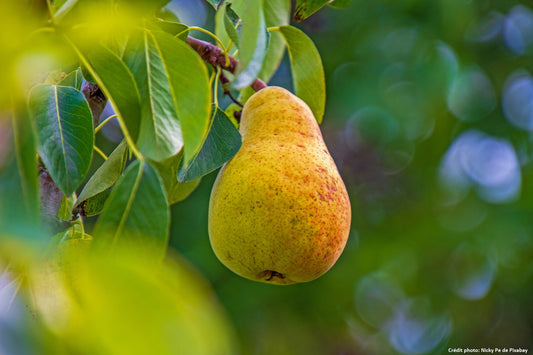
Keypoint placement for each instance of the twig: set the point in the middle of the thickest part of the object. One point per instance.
(215, 56)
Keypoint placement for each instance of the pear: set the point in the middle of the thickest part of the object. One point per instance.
(279, 211)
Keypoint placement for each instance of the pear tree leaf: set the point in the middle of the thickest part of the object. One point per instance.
(168, 170)
(116, 82)
(253, 44)
(65, 210)
(26, 153)
(307, 71)
(160, 135)
(188, 85)
(106, 175)
(215, 3)
(231, 19)
(73, 79)
(136, 212)
(305, 8)
(65, 127)
(172, 27)
(93, 205)
(277, 13)
(221, 144)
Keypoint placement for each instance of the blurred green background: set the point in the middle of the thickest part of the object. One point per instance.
(429, 116)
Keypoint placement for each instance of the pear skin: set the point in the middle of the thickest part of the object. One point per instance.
(279, 211)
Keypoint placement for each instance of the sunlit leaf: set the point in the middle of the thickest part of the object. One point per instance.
(305, 8)
(106, 175)
(231, 19)
(65, 210)
(74, 79)
(168, 170)
(189, 87)
(65, 127)
(221, 144)
(253, 44)
(160, 135)
(136, 212)
(116, 82)
(174, 28)
(277, 13)
(307, 71)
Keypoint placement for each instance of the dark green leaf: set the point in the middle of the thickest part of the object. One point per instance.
(73, 79)
(168, 170)
(307, 70)
(253, 44)
(189, 87)
(93, 205)
(136, 213)
(26, 152)
(107, 174)
(216, 3)
(116, 82)
(221, 144)
(160, 136)
(230, 21)
(305, 8)
(65, 128)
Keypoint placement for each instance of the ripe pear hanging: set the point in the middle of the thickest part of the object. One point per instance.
(279, 211)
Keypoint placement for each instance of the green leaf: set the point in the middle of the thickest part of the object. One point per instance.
(231, 19)
(305, 8)
(215, 3)
(73, 79)
(116, 82)
(253, 44)
(136, 212)
(190, 92)
(160, 135)
(307, 70)
(65, 128)
(340, 4)
(26, 153)
(221, 144)
(106, 175)
(277, 13)
(92, 206)
(168, 170)
(65, 210)
(172, 27)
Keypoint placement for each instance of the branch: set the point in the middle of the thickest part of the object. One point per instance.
(215, 56)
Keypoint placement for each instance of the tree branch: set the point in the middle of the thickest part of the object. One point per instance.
(215, 56)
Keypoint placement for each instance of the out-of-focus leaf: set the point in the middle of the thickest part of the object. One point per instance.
(305, 8)
(65, 128)
(253, 44)
(116, 82)
(106, 175)
(191, 94)
(65, 210)
(340, 4)
(26, 152)
(231, 19)
(136, 213)
(168, 170)
(307, 70)
(73, 79)
(174, 28)
(221, 144)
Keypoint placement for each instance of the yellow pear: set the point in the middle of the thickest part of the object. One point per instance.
(279, 211)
